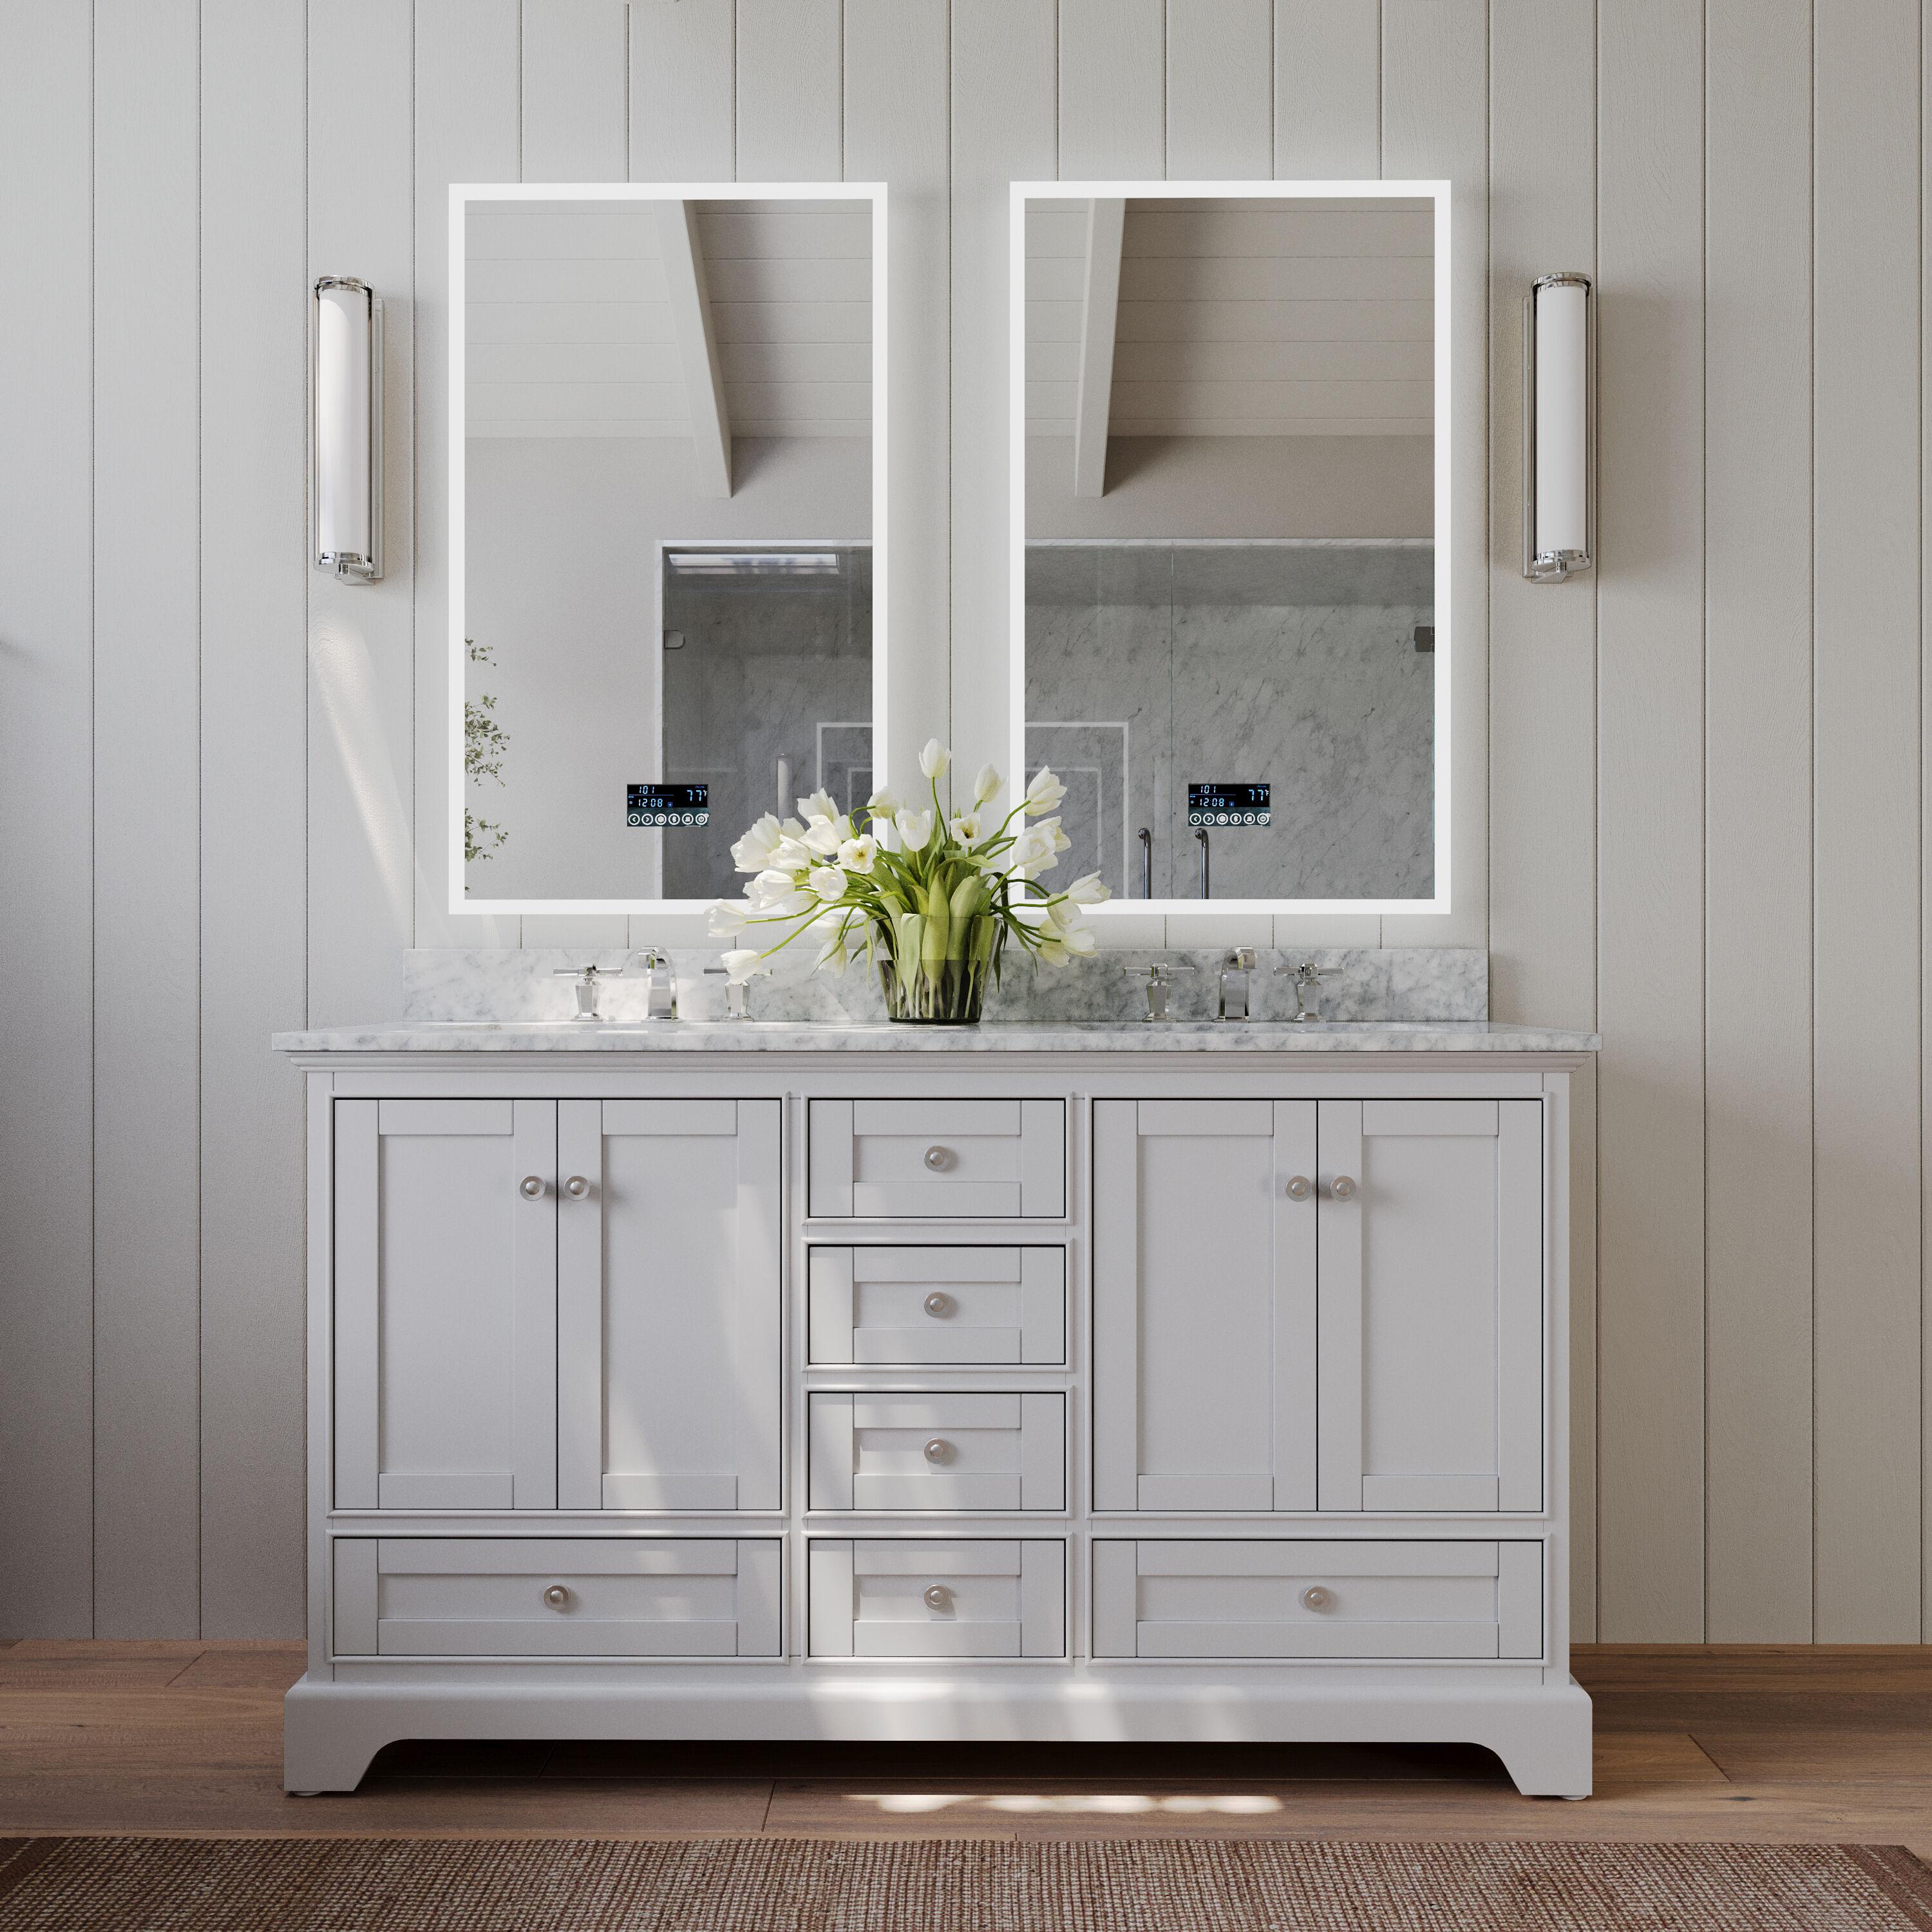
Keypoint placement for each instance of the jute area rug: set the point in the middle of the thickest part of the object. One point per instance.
(808, 1884)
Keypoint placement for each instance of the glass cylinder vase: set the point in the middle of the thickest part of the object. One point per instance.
(935, 974)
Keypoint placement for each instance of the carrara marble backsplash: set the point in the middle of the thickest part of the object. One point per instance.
(1359, 983)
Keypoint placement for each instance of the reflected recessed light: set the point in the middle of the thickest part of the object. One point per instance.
(752, 562)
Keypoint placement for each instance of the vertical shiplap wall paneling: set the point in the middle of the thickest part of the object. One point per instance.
(468, 59)
(896, 108)
(361, 843)
(682, 90)
(791, 106)
(1757, 1131)
(1650, 879)
(1328, 89)
(1435, 125)
(1004, 122)
(1113, 86)
(46, 785)
(1543, 649)
(575, 86)
(1866, 777)
(1220, 89)
(254, 711)
(147, 783)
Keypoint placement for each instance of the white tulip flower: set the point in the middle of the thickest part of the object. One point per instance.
(934, 759)
(883, 803)
(1080, 943)
(741, 967)
(827, 835)
(1053, 952)
(827, 881)
(969, 828)
(1065, 915)
(726, 916)
(986, 786)
(753, 852)
(789, 855)
(776, 895)
(1088, 889)
(1033, 850)
(914, 828)
(1044, 793)
(843, 943)
(856, 855)
(820, 805)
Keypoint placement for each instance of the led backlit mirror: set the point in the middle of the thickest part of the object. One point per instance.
(664, 464)
(1230, 445)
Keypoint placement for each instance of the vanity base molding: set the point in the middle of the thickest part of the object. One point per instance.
(946, 1396)
(1541, 1730)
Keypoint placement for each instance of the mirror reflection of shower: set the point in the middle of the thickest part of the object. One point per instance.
(766, 696)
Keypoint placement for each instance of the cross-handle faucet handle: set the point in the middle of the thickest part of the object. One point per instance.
(1156, 972)
(1306, 976)
(587, 978)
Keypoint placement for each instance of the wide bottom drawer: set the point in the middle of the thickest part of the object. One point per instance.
(1210, 1597)
(497, 1596)
(926, 1596)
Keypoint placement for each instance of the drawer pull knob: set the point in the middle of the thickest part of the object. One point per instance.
(937, 1596)
(556, 1596)
(939, 1450)
(531, 1187)
(1299, 1188)
(1342, 1188)
(938, 1305)
(939, 1159)
(577, 1187)
(1315, 1597)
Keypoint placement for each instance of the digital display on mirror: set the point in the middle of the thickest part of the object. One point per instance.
(667, 805)
(1223, 803)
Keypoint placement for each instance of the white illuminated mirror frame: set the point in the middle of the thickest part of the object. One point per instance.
(872, 194)
(1106, 197)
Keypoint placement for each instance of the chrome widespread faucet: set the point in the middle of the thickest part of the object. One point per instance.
(660, 988)
(1234, 976)
(1307, 978)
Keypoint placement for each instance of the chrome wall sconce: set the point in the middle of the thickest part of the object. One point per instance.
(1559, 506)
(346, 488)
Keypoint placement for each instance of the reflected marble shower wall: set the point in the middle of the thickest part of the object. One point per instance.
(766, 674)
(1150, 666)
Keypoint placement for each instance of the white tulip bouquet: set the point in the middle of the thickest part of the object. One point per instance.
(931, 896)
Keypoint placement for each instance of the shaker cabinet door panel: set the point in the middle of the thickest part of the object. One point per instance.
(446, 1304)
(1203, 1305)
(670, 1252)
(1431, 1305)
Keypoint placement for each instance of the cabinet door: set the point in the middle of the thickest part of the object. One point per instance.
(1431, 1305)
(669, 1260)
(1203, 1305)
(446, 1304)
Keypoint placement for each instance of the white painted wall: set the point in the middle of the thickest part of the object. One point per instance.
(1704, 769)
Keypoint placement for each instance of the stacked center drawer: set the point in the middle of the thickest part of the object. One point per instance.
(937, 1431)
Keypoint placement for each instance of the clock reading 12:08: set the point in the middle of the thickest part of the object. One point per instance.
(666, 804)
(1225, 802)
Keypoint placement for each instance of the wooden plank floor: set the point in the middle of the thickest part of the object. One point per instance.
(1692, 1744)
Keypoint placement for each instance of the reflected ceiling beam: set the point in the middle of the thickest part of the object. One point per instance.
(696, 346)
(1106, 222)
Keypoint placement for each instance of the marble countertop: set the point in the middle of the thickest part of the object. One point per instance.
(782, 1037)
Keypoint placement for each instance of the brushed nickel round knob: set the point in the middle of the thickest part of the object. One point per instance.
(939, 1450)
(939, 1305)
(939, 1159)
(531, 1187)
(577, 1187)
(556, 1596)
(1342, 1188)
(937, 1596)
(1315, 1597)
(1300, 1187)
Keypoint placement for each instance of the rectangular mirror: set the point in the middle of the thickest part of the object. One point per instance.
(667, 465)
(1230, 452)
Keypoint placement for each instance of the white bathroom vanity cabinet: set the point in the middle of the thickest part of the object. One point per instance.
(1084, 1383)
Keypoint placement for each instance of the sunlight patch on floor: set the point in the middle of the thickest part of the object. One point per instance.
(1227, 1804)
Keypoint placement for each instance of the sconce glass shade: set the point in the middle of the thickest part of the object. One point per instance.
(1557, 460)
(346, 489)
